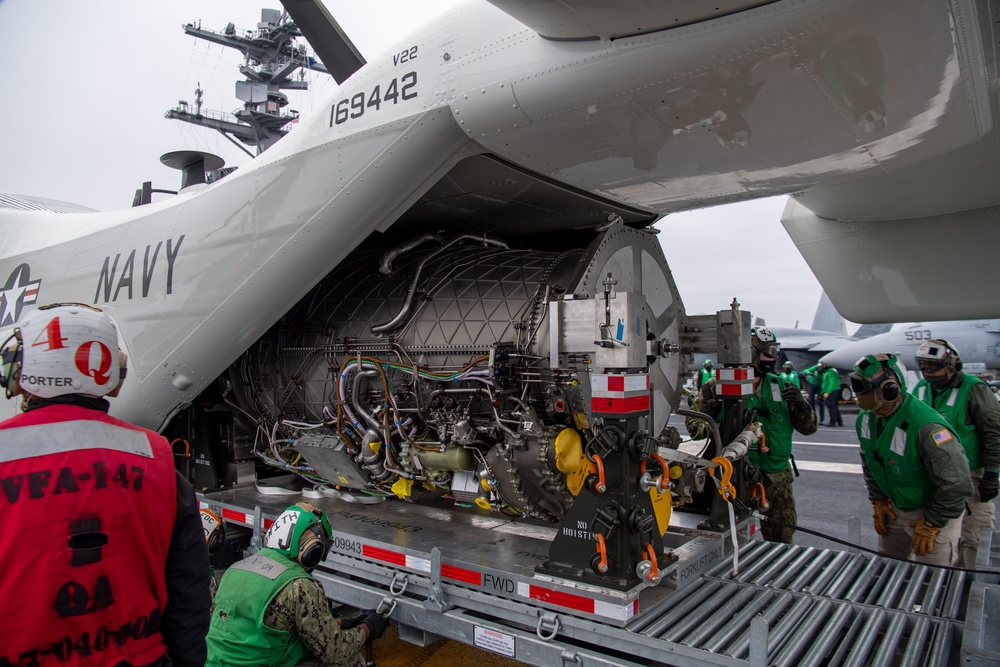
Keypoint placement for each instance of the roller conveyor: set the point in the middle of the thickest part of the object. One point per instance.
(471, 577)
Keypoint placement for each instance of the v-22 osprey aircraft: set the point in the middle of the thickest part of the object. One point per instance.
(424, 284)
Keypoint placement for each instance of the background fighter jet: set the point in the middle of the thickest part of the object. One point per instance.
(978, 341)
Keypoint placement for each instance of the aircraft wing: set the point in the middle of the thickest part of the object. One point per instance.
(608, 19)
(813, 341)
(325, 36)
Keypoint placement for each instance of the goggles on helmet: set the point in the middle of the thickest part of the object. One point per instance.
(935, 356)
(769, 350)
(764, 342)
(931, 366)
(859, 384)
(871, 371)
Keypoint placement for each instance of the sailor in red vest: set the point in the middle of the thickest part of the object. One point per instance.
(119, 576)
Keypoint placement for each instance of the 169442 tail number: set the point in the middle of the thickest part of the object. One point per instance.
(399, 89)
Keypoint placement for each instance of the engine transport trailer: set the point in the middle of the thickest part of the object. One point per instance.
(489, 438)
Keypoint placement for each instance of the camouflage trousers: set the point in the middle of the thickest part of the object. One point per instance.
(778, 488)
(980, 515)
(898, 542)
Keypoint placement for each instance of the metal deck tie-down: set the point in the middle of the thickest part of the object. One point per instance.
(388, 604)
(548, 626)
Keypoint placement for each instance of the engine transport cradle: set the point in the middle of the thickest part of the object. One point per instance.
(470, 577)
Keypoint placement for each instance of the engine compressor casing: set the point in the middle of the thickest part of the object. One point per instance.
(458, 361)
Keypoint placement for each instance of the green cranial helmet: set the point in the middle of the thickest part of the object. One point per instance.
(301, 533)
(764, 343)
(872, 370)
(708, 363)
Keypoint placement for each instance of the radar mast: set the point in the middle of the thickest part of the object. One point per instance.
(271, 58)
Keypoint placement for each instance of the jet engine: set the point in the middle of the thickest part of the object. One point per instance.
(455, 364)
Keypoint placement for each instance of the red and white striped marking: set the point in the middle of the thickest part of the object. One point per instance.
(396, 558)
(618, 612)
(241, 517)
(619, 394)
(734, 381)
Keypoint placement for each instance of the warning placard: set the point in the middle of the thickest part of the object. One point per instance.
(496, 642)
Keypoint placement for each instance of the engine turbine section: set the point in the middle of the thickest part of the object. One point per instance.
(454, 364)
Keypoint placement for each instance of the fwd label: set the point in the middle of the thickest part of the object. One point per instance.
(500, 584)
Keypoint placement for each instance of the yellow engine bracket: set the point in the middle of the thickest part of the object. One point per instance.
(726, 488)
(662, 507)
(570, 459)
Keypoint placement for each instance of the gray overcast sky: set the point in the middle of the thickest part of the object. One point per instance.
(85, 86)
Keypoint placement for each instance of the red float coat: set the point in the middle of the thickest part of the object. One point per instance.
(88, 505)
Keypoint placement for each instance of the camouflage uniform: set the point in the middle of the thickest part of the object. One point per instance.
(777, 484)
(778, 487)
(301, 607)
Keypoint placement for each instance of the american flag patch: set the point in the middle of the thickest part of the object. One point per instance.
(942, 436)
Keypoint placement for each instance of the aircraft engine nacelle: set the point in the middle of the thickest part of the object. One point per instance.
(455, 364)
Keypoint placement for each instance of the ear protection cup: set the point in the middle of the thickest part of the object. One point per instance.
(10, 357)
(312, 550)
(215, 542)
(889, 391)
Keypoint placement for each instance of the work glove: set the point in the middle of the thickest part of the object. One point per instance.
(989, 485)
(883, 510)
(923, 537)
(708, 391)
(376, 624)
(793, 395)
(354, 620)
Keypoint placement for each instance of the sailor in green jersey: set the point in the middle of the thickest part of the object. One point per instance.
(831, 395)
(973, 412)
(706, 373)
(789, 375)
(814, 379)
(914, 466)
(780, 408)
(270, 611)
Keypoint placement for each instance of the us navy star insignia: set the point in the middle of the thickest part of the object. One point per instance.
(19, 291)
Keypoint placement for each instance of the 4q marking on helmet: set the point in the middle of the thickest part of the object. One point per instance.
(68, 349)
